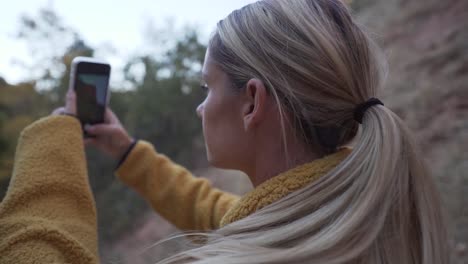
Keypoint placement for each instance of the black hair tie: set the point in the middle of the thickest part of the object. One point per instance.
(362, 108)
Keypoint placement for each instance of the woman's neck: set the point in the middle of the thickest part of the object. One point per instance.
(271, 159)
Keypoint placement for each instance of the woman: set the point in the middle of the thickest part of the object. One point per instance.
(289, 85)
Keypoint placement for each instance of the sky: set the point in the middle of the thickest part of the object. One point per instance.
(96, 20)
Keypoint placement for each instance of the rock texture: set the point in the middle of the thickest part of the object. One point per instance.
(427, 46)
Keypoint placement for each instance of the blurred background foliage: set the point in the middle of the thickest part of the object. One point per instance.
(426, 42)
(160, 108)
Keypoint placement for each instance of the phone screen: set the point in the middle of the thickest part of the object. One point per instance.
(91, 96)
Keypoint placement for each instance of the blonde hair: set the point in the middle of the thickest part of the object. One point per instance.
(380, 205)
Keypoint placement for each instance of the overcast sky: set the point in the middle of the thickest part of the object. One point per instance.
(119, 23)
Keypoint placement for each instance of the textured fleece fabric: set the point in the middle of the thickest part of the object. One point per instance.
(280, 186)
(190, 203)
(49, 215)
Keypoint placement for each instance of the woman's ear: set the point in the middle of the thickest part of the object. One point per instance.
(254, 109)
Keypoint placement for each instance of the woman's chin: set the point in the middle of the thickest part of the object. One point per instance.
(214, 162)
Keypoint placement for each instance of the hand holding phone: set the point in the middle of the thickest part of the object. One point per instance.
(87, 99)
(110, 137)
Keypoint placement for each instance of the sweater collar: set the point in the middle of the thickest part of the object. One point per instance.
(280, 186)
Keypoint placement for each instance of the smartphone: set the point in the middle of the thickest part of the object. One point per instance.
(90, 80)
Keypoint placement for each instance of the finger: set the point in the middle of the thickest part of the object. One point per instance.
(70, 102)
(101, 129)
(58, 111)
(110, 117)
(71, 92)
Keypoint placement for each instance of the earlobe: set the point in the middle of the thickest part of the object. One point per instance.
(254, 111)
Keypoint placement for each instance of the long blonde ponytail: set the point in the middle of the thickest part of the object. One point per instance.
(380, 204)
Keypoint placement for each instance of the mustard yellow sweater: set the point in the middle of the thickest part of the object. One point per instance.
(48, 214)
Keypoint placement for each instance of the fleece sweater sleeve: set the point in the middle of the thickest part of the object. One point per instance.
(190, 203)
(48, 214)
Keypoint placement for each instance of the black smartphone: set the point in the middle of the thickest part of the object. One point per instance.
(90, 80)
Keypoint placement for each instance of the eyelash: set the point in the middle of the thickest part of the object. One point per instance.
(204, 87)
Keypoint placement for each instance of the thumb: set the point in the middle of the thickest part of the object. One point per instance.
(110, 117)
(70, 102)
(59, 111)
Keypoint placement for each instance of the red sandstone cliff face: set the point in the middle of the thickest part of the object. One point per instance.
(427, 46)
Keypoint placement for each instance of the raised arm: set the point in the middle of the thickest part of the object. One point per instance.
(188, 202)
(48, 214)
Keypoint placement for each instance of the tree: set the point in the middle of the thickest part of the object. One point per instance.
(52, 45)
(19, 106)
(160, 108)
(163, 111)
